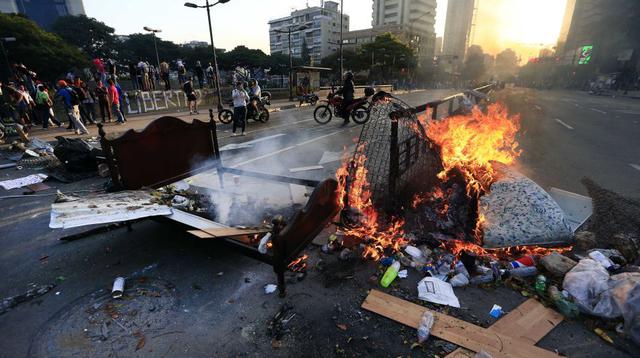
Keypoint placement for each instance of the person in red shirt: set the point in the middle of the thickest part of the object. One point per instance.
(114, 99)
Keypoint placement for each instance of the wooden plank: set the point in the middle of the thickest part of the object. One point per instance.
(231, 231)
(200, 234)
(452, 329)
(531, 321)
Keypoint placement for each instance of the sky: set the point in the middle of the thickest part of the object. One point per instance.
(520, 24)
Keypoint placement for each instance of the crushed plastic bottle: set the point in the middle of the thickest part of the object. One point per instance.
(541, 284)
(424, 328)
(564, 306)
(390, 274)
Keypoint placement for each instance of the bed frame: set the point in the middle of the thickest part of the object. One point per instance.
(170, 149)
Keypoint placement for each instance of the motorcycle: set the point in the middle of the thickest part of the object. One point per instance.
(310, 98)
(262, 115)
(359, 110)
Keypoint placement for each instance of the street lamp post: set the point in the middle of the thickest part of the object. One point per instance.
(213, 48)
(290, 29)
(153, 32)
(341, 28)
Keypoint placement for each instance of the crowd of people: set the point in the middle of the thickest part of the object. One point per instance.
(146, 77)
(28, 101)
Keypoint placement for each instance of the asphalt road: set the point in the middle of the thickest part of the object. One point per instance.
(211, 300)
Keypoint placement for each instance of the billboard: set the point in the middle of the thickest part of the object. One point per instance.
(585, 55)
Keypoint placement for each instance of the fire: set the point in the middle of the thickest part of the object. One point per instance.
(471, 142)
(456, 247)
(299, 264)
(354, 193)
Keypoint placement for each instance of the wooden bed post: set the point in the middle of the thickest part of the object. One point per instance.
(279, 253)
(111, 162)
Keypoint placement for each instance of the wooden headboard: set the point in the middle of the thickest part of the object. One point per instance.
(165, 151)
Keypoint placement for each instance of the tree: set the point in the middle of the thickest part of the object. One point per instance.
(474, 66)
(506, 64)
(385, 57)
(304, 51)
(243, 56)
(41, 51)
(140, 46)
(95, 38)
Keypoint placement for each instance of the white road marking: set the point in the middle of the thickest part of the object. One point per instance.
(285, 149)
(563, 123)
(635, 166)
(597, 110)
(303, 169)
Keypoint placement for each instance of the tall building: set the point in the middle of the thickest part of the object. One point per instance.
(417, 19)
(322, 37)
(457, 29)
(606, 31)
(43, 12)
(438, 49)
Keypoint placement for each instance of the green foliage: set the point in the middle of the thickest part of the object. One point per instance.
(386, 57)
(39, 50)
(506, 64)
(95, 38)
(474, 66)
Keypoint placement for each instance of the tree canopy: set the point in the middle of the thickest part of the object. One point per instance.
(95, 38)
(474, 66)
(39, 50)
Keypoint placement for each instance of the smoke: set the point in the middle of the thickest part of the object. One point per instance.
(238, 200)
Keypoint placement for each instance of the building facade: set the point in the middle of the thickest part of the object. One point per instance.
(322, 37)
(43, 12)
(416, 21)
(457, 30)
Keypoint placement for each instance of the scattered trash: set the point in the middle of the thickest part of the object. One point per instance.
(390, 274)
(403, 273)
(564, 306)
(414, 252)
(482, 354)
(33, 292)
(527, 271)
(270, 288)
(524, 261)
(459, 280)
(262, 247)
(541, 284)
(437, 291)
(103, 170)
(58, 293)
(118, 288)
(602, 334)
(424, 329)
(496, 311)
(557, 264)
(602, 260)
(345, 254)
(24, 181)
(343, 327)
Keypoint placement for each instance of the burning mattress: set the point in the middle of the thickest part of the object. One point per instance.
(517, 211)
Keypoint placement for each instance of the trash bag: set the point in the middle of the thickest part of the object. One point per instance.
(76, 154)
(587, 283)
(594, 292)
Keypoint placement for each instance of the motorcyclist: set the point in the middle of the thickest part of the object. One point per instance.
(347, 92)
(254, 93)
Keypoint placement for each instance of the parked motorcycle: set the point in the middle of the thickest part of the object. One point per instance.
(359, 110)
(310, 98)
(262, 115)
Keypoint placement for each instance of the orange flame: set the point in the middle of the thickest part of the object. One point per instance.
(456, 247)
(299, 264)
(355, 192)
(471, 142)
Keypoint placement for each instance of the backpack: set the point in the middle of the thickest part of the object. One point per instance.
(75, 99)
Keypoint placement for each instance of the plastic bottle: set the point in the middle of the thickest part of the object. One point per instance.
(564, 306)
(390, 274)
(484, 278)
(424, 329)
(526, 271)
(541, 284)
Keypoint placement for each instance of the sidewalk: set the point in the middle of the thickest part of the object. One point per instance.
(139, 121)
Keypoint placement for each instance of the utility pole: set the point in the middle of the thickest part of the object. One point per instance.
(341, 28)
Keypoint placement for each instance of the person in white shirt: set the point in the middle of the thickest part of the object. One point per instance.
(254, 94)
(240, 98)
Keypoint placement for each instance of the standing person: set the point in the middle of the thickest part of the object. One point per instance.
(88, 102)
(211, 74)
(24, 104)
(133, 76)
(192, 100)
(123, 100)
(43, 106)
(240, 98)
(164, 75)
(102, 93)
(182, 72)
(347, 92)
(114, 99)
(82, 95)
(152, 76)
(71, 103)
(200, 74)
(140, 75)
